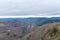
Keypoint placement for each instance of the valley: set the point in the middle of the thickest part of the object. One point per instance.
(27, 28)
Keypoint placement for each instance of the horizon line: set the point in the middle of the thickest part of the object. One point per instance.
(28, 16)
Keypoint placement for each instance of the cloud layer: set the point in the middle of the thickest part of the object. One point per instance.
(29, 7)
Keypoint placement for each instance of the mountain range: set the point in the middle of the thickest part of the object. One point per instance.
(23, 26)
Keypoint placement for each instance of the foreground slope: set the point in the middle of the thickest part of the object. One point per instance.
(40, 32)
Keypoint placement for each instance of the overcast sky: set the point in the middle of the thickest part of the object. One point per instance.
(29, 7)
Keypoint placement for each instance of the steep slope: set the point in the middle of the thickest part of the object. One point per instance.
(17, 27)
(40, 31)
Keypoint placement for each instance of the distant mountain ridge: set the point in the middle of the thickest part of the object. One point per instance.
(36, 20)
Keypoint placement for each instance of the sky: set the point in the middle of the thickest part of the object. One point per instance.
(29, 7)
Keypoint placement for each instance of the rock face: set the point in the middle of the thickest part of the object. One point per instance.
(41, 32)
(33, 35)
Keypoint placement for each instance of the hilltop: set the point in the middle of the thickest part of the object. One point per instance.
(42, 33)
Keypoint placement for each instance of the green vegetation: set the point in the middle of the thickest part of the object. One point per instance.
(52, 34)
(2, 25)
(53, 31)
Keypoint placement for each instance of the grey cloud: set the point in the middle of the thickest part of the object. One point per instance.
(29, 7)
